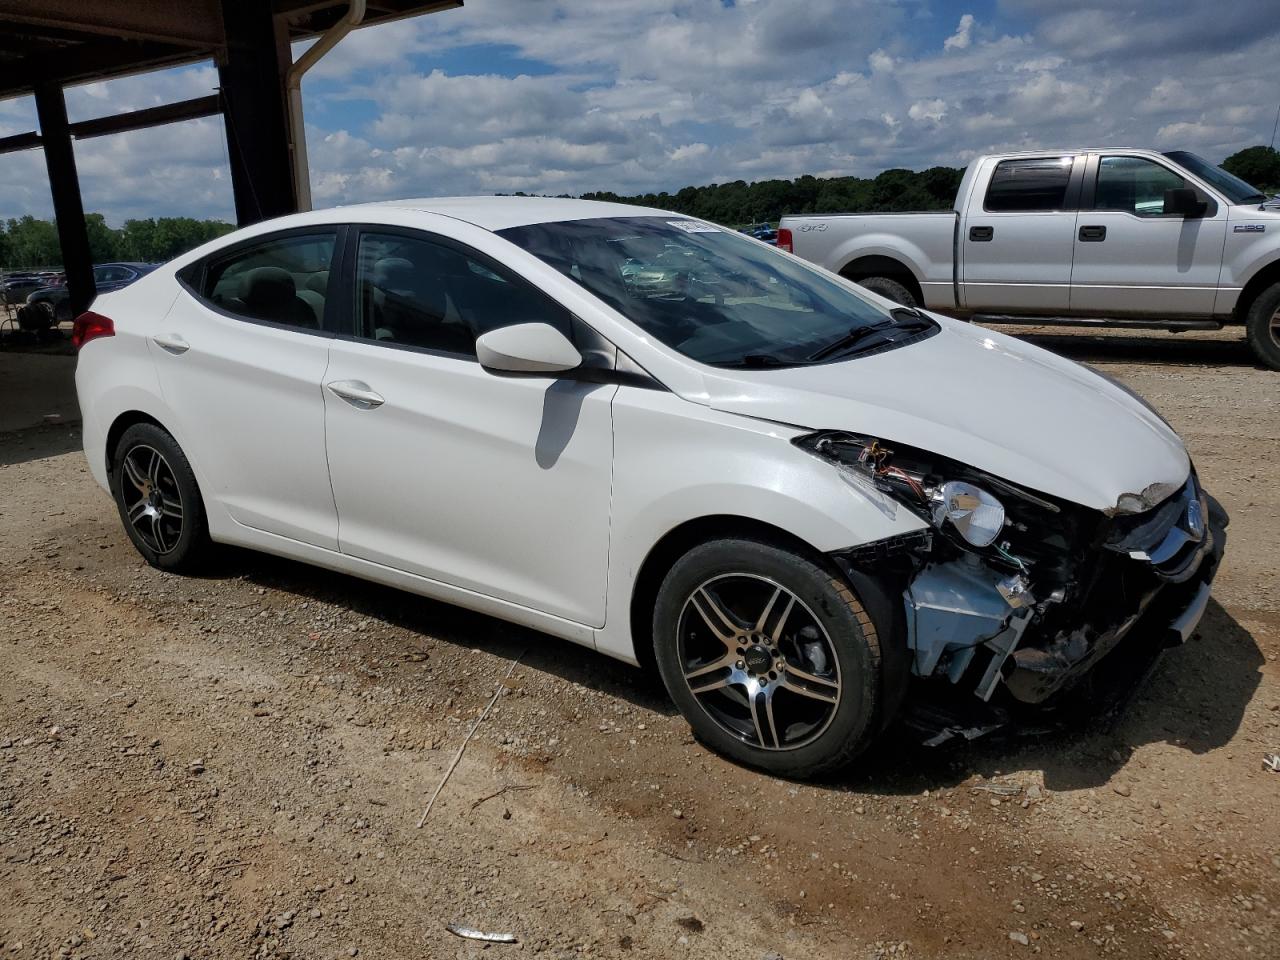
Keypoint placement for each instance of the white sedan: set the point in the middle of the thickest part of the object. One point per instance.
(660, 439)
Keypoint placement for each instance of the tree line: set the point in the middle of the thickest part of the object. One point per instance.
(26, 242)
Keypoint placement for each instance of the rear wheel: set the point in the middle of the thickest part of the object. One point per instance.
(1263, 327)
(770, 657)
(158, 499)
(890, 290)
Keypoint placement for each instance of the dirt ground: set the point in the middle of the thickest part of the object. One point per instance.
(235, 765)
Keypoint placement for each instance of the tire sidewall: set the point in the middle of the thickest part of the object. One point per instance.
(1258, 330)
(193, 540)
(857, 716)
(889, 289)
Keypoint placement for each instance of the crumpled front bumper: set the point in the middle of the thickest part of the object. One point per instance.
(1168, 616)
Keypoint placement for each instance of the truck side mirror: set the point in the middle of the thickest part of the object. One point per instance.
(1184, 202)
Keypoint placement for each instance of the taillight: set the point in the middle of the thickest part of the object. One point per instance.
(784, 240)
(90, 326)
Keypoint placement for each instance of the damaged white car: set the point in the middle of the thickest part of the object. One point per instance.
(659, 439)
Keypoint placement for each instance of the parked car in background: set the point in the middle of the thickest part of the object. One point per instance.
(15, 286)
(1109, 237)
(789, 493)
(51, 304)
(762, 231)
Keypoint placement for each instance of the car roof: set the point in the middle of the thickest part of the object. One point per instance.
(499, 213)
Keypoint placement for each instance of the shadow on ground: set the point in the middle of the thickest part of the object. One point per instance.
(38, 442)
(1194, 697)
(1190, 351)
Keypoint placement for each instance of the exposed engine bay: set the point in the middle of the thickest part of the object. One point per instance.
(1014, 593)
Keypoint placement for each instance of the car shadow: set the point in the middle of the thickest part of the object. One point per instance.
(1170, 349)
(1194, 697)
(38, 442)
(450, 624)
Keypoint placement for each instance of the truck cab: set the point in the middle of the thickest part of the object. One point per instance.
(1119, 237)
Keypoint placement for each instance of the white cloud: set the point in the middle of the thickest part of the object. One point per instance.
(930, 110)
(963, 36)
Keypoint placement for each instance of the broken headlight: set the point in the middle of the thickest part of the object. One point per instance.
(976, 515)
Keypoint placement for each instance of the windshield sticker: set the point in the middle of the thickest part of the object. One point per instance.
(692, 226)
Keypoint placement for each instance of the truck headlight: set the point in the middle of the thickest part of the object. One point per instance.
(976, 514)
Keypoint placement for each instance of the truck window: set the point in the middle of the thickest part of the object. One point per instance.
(1135, 185)
(1021, 186)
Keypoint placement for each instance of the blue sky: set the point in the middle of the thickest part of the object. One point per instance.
(569, 96)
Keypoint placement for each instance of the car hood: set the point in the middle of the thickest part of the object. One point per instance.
(986, 400)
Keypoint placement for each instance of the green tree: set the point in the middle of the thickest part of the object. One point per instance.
(33, 243)
(104, 243)
(1258, 165)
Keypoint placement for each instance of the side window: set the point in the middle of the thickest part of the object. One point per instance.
(1135, 185)
(282, 279)
(1025, 186)
(419, 293)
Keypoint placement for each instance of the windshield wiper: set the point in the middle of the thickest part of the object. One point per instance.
(904, 318)
(751, 360)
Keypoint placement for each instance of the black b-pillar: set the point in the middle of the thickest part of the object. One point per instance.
(253, 108)
(64, 183)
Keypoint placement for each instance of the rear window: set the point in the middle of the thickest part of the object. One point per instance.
(1023, 186)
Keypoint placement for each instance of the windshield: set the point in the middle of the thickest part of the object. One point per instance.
(715, 296)
(1237, 190)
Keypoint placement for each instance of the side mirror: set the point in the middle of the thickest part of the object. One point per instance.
(1185, 202)
(527, 348)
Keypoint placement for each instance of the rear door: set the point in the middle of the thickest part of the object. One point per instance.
(241, 357)
(1017, 236)
(1133, 258)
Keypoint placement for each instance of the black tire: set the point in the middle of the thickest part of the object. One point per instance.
(723, 718)
(1263, 327)
(171, 530)
(890, 289)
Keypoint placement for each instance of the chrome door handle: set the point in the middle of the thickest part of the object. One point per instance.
(356, 393)
(171, 342)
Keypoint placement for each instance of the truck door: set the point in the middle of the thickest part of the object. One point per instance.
(1017, 236)
(1133, 258)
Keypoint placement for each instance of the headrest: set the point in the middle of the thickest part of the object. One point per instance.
(393, 273)
(269, 287)
(319, 282)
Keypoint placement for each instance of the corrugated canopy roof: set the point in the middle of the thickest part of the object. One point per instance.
(77, 41)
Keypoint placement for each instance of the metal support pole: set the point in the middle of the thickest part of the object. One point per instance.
(64, 183)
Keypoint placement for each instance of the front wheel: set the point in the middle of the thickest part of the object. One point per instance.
(1263, 327)
(770, 657)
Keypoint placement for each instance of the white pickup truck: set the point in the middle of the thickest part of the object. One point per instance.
(1117, 237)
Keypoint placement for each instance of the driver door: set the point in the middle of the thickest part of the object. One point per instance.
(499, 485)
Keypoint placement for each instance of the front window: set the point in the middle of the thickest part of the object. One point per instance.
(1135, 185)
(1236, 190)
(714, 296)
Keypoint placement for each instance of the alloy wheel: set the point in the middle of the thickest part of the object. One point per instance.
(758, 661)
(152, 500)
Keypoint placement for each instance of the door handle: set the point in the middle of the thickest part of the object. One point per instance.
(981, 234)
(356, 393)
(171, 342)
(1093, 234)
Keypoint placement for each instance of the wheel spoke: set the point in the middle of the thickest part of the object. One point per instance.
(717, 620)
(137, 511)
(157, 531)
(762, 625)
(133, 473)
(755, 719)
(153, 469)
(716, 684)
(706, 668)
(173, 509)
(768, 710)
(800, 682)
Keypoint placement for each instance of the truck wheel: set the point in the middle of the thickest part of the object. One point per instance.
(1263, 327)
(889, 289)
